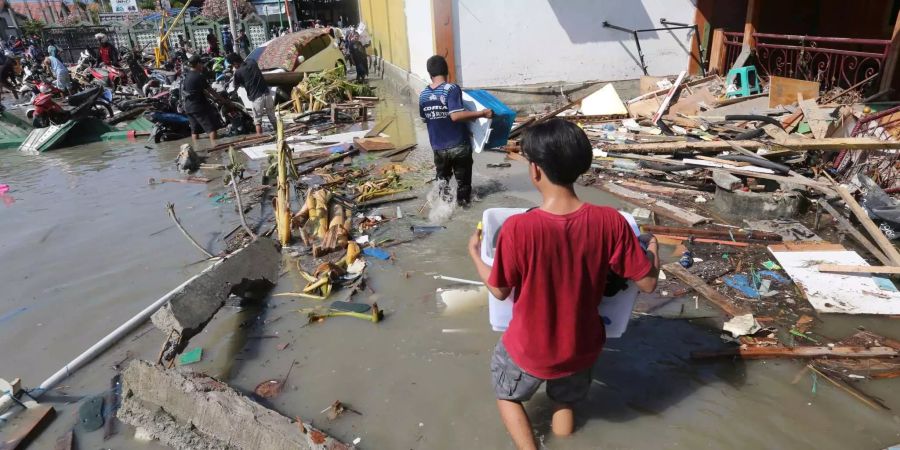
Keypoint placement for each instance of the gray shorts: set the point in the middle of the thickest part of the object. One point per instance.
(264, 106)
(514, 384)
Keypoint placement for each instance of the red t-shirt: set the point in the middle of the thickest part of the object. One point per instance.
(558, 266)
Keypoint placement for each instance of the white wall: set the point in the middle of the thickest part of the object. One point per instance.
(420, 32)
(521, 42)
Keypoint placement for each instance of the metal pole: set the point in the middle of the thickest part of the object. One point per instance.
(287, 10)
(637, 42)
(234, 46)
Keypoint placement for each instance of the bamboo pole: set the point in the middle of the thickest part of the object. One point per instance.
(283, 200)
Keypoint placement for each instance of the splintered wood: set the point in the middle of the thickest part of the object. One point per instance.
(659, 207)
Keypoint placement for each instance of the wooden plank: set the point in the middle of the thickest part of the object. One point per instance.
(798, 352)
(880, 239)
(724, 161)
(398, 151)
(839, 268)
(444, 36)
(380, 126)
(700, 286)
(665, 104)
(376, 144)
(66, 441)
(722, 233)
(307, 168)
(829, 144)
(680, 239)
(662, 208)
(819, 118)
(783, 91)
(845, 225)
(807, 246)
(27, 424)
(750, 169)
(385, 200)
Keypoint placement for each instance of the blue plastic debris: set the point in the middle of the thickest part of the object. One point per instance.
(741, 282)
(377, 253)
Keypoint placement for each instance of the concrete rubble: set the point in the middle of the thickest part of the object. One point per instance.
(191, 411)
(248, 273)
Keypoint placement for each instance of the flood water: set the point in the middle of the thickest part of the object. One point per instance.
(87, 243)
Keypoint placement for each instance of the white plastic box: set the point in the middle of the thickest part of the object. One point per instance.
(615, 310)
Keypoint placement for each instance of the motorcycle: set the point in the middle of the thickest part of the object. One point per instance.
(95, 102)
(168, 126)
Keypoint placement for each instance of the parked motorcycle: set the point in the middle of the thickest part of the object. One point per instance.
(95, 102)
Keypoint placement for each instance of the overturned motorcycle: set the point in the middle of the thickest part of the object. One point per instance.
(95, 102)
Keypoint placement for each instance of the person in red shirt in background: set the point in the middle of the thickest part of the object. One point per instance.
(557, 258)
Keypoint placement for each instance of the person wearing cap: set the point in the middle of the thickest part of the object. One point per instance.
(107, 53)
(248, 76)
(203, 116)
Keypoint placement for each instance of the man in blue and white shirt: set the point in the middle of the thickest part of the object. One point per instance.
(440, 104)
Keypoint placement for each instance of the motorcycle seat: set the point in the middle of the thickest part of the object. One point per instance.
(81, 97)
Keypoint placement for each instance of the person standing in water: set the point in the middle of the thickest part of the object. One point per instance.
(440, 105)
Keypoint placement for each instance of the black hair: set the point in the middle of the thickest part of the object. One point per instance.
(234, 59)
(560, 148)
(194, 60)
(437, 66)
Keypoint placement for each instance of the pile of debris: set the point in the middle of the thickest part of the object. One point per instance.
(756, 194)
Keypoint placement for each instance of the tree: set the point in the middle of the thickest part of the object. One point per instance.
(217, 9)
(31, 27)
(146, 4)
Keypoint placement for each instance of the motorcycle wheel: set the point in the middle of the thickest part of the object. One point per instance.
(102, 110)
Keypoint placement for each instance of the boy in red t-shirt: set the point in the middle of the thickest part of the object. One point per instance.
(556, 258)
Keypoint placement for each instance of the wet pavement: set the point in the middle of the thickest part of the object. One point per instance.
(87, 243)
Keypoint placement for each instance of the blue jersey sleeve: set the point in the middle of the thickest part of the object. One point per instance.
(454, 100)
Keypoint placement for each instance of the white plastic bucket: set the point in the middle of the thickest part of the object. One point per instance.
(499, 311)
(615, 311)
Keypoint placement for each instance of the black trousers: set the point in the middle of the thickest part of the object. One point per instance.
(456, 162)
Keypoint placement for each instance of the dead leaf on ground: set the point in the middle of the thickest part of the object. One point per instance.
(269, 389)
(317, 437)
(283, 345)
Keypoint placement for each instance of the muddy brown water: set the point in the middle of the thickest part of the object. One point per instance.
(87, 243)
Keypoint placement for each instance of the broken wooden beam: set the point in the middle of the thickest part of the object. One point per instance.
(380, 126)
(838, 268)
(874, 232)
(845, 225)
(659, 207)
(831, 144)
(384, 201)
(26, 426)
(697, 284)
(307, 168)
(680, 239)
(799, 352)
(737, 234)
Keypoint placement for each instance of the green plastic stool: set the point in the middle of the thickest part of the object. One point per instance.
(748, 75)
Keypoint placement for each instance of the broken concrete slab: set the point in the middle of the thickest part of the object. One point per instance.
(726, 180)
(188, 410)
(764, 205)
(247, 273)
